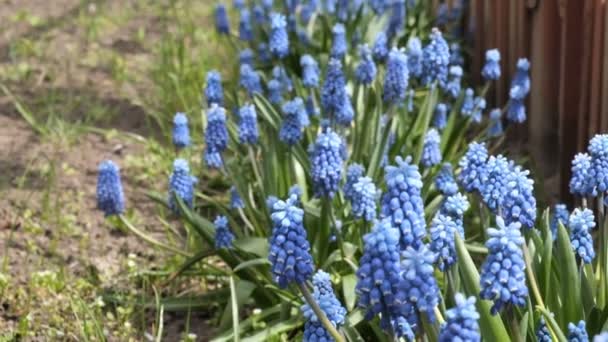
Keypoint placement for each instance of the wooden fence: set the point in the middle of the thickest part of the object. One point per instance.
(567, 44)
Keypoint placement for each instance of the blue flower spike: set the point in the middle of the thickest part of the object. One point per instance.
(110, 197)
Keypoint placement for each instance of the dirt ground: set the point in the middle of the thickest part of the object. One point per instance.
(48, 219)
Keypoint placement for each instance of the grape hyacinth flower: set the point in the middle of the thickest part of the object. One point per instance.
(291, 128)
(311, 109)
(216, 136)
(436, 58)
(578, 332)
(442, 232)
(264, 53)
(380, 49)
(581, 183)
(333, 92)
(520, 87)
(324, 295)
(248, 126)
(502, 276)
(516, 111)
(307, 11)
(478, 108)
(245, 30)
(222, 25)
(496, 128)
(402, 202)
(238, 4)
(289, 252)
(598, 149)
(440, 119)
(445, 182)
(542, 332)
(468, 104)
(602, 337)
(258, 14)
(456, 57)
(181, 184)
(396, 21)
(363, 200)
(250, 80)
(419, 282)
(213, 91)
(181, 133)
(378, 287)
(353, 173)
(453, 85)
(396, 79)
(110, 197)
(310, 71)
(414, 57)
(519, 203)
(326, 163)
(279, 41)
(378, 6)
(236, 202)
(339, 45)
(455, 206)
(223, 235)
(461, 321)
(365, 73)
(431, 153)
(560, 215)
(491, 70)
(279, 73)
(345, 114)
(494, 181)
(581, 221)
(275, 91)
(246, 56)
(472, 166)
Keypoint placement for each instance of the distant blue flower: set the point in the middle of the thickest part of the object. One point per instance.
(308, 9)
(213, 91)
(310, 71)
(445, 180)
(468, 104)
(580, 223)
(181, 184)
(291, 128)
(289, 252)
(236, 202)
(328, 302)
(279, 41)
(520, 84)
(334, 88)
(246, 56)
(442, 232)
(264, 52)
(496, 128)
(248, 126)
(396, 21)
(378, 287)
(250, 80)
(275, 91)
(560, 215)
(396, 78)
(365, 73)
(494, 182)
(419, 281)
(456, 57)
(453, 85)
(223, 235)
(267, 4)
(455, 206)
(598, 149)
(414, 56)
(578, 332)
(222, 24)
(353, 173)
(516, 111)
(461, 321)
(216, 136)
(245, 30)
(542, 332)
(479, 107)
(519, 203)
(345, 114)
(181, 133)
(364, 199)
(238, 4)
(342, 10)
(502, 278)
(581, 183)
(330, 6)
(110, 197)
(258, 14)
(440, 120)
(602, 337)
(491, 70)
(472, 166)
(326, 163)
(436, 58)
(311, 109)
(279, 73)
(431, 152)
(339, 45)
(380, 49)
(378, 6)
(402, 201)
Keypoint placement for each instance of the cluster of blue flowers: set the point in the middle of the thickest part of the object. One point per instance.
(472, 167)
(581, 221)
(214, 91)
(491, 70)
(365, 73)
(329, 304)
(436, 59)
(248, 125)
(110, 197)
(397, 75)
(181, 184)
(236, 202)
(310, 71)
(461, 321)
(598, 149)
(279, 40)
(419, 283)
(326, 159)
(363, 199)
(440, 119)
(216, 136)
(578, 332)
(431, 152)
(181, 133)
(223, 235)
(520, 87)
(560, 215)
(445, 181)
(442, 231)
(293, 117)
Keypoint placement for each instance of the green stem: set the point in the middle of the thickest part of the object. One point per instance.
(151, 240)
(256, 171)
(320, 314)
(531, 278)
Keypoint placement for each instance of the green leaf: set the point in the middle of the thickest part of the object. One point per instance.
(274, 329)
(523, 326)
(349, 282)
(253, 245)
(190, 262)
(235, 310)
(250, 263)
(240, 292)
(566, 268)
(491, 326)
